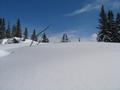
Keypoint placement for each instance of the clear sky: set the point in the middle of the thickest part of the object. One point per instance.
(76, 17)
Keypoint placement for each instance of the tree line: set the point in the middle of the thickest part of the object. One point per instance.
(16, 31)
(6, 31)
(109, 26)
(109, 29)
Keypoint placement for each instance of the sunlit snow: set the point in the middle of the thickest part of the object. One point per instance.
(62, 66)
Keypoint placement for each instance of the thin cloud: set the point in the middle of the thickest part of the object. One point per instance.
(86, 8)
(115, 4)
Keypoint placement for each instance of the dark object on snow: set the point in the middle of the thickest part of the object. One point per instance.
(65, 38)
(79, 39)
(34, 36)
(15, 40)
(108, 26)
(25, 34)
(39, 34)
(45, 39)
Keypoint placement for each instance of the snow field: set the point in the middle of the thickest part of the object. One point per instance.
(70, 66)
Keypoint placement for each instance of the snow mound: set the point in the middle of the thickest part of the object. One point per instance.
(5, 41)
(3, 53)
(28, 41)
(10, 40)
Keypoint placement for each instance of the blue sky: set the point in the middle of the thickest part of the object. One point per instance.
(76, 17)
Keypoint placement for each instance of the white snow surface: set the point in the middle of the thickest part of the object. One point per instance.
(5, 41)
(3, 53)
(62, 66)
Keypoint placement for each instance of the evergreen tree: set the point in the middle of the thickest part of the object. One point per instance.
(25, 34)
(8, 31)
(111, 27)
(110, 20)
(13, 33)
(109, 32)
(18, 29)
(118, 22)
(118, 27)
(2, 28)
(0, 21)
(65, 38)
(103, 35)
(34, 37)
(45, 38)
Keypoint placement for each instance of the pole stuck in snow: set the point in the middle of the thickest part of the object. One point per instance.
(39, 34)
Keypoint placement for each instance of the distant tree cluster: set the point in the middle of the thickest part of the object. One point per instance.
(16, 31)
(109, 26)
(3, 30)
(45, 38)
(8, 32)
(65, 38)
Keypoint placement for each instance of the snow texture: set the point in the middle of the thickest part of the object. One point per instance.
(69, 66)
(3, 53)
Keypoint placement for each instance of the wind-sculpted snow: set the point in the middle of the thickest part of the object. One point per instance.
(70, 66)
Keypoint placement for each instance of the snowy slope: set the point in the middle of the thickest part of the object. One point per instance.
(3, 53)
(72, 66)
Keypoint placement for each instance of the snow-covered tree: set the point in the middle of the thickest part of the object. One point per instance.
(103, 35)
(112, 27)
(118, 23)
(118, 27)
(107, 27)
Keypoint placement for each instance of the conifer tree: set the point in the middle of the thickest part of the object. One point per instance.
(110, 20)
(8, 31)
(111, 27)
(18, 29)
(65, 38)
(13, 33)
(2, 28)
(25, 34)
(118, 27)
(45, 38)
(34, 37)
(118, 22)
(111, 31)
(103, 26)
